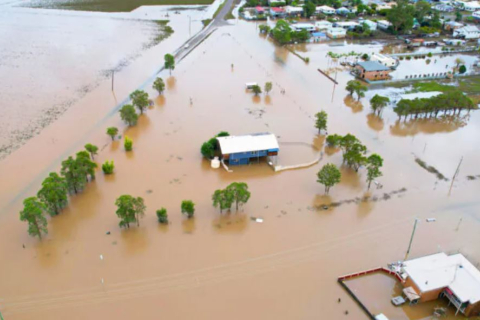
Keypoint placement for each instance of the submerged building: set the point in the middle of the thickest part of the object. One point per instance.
(442, 276)
(372, 70)
(237, 150)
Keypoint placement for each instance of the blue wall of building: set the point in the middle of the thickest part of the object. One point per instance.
(244, 157)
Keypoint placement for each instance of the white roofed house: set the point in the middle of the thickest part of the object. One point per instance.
(442, 276)
(239, 150)
(467, 32)
(383, 24)
(323, 24)
(471, 6)
(325, 10)
(347, 25)
(303, 26)
(293, 11)
(371, 25)
(336, 33)
(385, 60)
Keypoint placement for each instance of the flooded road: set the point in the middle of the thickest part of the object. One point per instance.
(215, 266)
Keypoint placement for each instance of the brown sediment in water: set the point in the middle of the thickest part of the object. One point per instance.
(226, 265)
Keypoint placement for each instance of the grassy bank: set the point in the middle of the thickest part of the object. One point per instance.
(108, 5)
(469, 85)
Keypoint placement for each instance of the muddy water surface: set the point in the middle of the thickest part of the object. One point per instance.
(215, 266)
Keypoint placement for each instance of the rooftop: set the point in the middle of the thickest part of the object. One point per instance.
(246, 143)
(372, 66)
(441, 271)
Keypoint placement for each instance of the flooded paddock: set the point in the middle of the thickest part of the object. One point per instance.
(227, 265)
(375, 291)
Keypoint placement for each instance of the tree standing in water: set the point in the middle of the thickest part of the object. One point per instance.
(139, 99)
(92, 149)
(378, 103)
(112, 132)
(374, 163)
(238, 192)
(128, 115)
(268, 87)
(256, 90)
(129, 210)
(188, 208)
(169, 62)
(222, 199)
(34, 213)
(54, 193)
(159, 85)
(329, 176)
(321, 121)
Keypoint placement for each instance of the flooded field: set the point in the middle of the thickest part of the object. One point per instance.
(50, 59)
(376, 291)
(227, 265)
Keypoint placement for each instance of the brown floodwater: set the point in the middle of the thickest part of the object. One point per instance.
(227, 265)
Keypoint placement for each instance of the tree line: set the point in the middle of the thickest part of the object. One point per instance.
(428, 107)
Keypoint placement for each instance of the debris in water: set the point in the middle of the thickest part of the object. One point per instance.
(259, 220)
(101, 257)
(325, 207)
(149, 191)
(431, 219)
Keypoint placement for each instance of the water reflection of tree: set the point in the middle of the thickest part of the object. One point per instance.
(355, 105)
(230, 223)
(318, 142)
(375, 122)
(171, 83)
(134, 240)
(188, 225)
(447, 123)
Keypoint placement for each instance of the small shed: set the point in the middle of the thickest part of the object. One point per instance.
(259, 10)
(239, 150)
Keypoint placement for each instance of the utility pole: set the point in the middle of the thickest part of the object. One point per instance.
(459, 222)
(113, 77)
(455, 175)
(1, 318)
(411, 239)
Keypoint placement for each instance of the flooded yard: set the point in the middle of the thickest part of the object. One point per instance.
(217, 266)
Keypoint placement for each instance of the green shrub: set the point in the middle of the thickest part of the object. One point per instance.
(430, 54)
(108, 167)
(162, 216)
(128, 144)
(462, 69)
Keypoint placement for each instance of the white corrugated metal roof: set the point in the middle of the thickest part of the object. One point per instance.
(247, 143)
(441, 271)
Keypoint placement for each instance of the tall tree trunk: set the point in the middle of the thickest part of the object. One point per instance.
(35, 222)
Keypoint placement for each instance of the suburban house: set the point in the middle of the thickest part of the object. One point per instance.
(239, 150)
(259, 10)
(442, 276)
(452, 25)
(372, 71)
(336, 33)
(383, 24)
(347, 25)
(467, 32)
(318, 36)
(342, 11)
(323, 25)
(303, 26)
(471, 6)
(325, 10)
(476, 15)
(277, 12)
(371, 25)
(385, 60)
(293, 11)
